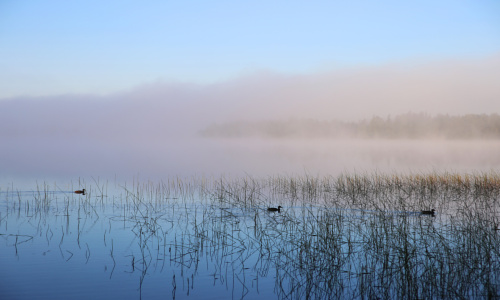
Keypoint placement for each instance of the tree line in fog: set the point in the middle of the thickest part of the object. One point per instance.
(410, 125)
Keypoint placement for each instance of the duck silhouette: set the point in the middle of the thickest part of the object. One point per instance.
(274, 209)
(429, 212)
(82, 192)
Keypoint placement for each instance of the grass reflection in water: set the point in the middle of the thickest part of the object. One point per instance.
(351, 236)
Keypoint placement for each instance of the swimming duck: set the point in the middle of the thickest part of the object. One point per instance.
(274, 209)
(82, 191)
(428, 212)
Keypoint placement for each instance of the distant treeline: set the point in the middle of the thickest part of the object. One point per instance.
(410, 125)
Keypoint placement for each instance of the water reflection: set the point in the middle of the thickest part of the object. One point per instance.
(351, 236)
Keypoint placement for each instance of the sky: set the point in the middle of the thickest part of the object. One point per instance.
(101, 47)
(120, 88)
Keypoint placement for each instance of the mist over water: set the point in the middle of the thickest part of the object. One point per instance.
(153, 131)
(74, 158)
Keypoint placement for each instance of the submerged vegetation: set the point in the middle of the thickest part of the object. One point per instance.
(348, 236)
(410, 125)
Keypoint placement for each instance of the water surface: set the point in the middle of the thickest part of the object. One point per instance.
(337, 237)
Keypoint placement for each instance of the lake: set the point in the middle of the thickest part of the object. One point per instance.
(351, 235)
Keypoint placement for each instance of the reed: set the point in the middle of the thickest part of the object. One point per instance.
(349, 236)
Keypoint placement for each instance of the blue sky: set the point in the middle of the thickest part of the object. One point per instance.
(64, 47)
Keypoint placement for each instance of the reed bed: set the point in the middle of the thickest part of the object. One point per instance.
(349, 236)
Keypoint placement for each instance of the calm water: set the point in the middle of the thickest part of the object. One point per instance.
(59, 245)
(210, 239)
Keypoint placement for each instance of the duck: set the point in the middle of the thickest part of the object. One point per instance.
(82, 191)
(429, 212)
(274, 209)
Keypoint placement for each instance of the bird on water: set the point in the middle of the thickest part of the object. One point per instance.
(82, 191)
(428, 212)
(274, 209)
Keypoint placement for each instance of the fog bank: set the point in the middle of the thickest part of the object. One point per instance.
(153, 129)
